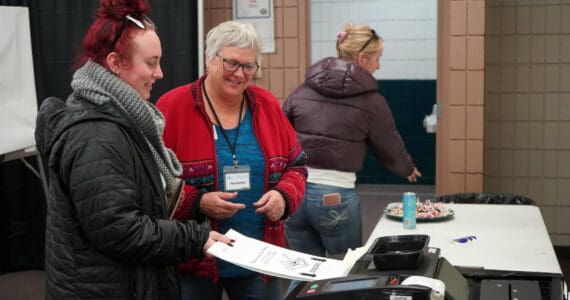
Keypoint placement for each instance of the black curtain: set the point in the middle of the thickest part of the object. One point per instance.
(56, 31)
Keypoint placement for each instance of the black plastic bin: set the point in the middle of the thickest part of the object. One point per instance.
(485, 198)
(399, 251)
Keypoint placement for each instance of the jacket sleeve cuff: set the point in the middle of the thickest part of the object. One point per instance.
(196, 213)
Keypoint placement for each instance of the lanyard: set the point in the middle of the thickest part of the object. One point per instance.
(234, 145)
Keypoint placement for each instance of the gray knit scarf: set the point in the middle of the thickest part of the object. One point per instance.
(97, 85)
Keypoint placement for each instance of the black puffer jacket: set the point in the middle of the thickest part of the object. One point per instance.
(107, 237)
(337, 112)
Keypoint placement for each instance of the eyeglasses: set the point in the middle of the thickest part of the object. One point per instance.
(231, 66)
(130, 18)
(372, 38)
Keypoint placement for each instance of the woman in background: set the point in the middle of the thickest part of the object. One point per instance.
(337, 113)
(107, 236)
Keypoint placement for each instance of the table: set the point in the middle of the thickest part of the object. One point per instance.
(22, 154)
(509, 237)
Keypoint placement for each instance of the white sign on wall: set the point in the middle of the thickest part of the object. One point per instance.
(18, 103)
(260, 14)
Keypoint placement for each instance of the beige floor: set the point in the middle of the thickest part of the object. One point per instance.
(25, 285)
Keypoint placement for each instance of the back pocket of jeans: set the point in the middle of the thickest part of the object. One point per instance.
(334, 218)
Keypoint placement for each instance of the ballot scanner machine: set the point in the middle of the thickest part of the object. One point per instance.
(404, 268)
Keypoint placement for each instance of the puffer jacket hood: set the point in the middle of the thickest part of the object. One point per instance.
(55, 116)
(337, 78)
(337, 113)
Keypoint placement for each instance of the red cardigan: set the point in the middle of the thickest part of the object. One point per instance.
(189, 133)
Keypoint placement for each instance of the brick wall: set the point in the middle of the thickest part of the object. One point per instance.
(527, 116)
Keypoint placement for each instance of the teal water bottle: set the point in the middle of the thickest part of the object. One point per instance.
(409, 210)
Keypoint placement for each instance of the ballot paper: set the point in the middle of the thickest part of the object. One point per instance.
(276, 261)
(437, 286)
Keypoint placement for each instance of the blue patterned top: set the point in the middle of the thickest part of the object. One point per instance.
(248, 152)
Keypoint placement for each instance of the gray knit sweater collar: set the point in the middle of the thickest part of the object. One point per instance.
(96, 84)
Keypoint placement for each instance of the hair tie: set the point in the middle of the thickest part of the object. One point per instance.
(341, 36)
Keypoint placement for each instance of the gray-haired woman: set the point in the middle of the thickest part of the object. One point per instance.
(243, 166)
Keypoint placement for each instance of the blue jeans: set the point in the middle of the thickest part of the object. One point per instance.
(325, 230)
(246, 288)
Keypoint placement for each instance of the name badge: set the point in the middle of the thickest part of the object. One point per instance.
(236, 178)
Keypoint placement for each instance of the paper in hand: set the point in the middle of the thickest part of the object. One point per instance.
(276, 261)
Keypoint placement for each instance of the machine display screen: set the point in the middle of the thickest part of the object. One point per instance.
(351, 285)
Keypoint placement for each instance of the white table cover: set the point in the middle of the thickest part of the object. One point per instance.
(509, 237)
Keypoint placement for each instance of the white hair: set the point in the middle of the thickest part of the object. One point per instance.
(233, 34)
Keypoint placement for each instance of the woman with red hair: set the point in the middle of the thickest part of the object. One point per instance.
(107, 233)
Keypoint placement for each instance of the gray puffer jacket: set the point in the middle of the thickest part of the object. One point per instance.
(106, 233)
(337, 112)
